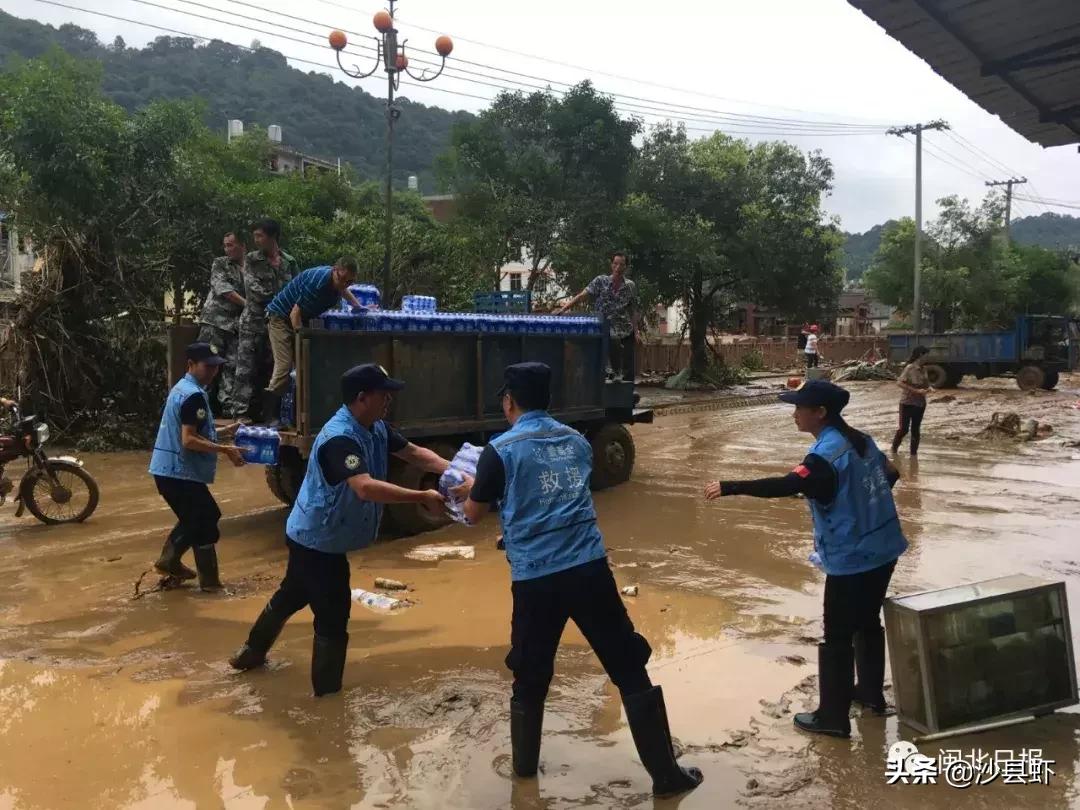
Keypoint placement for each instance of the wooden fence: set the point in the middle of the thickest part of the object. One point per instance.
(667, 356)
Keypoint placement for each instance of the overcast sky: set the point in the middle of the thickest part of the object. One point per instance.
(799, 60)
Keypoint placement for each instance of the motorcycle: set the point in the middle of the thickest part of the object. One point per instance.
(55, 490)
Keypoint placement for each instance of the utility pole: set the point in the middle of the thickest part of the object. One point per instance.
(916, 306)
(1012, 181)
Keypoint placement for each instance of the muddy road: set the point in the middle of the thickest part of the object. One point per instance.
(112, 702)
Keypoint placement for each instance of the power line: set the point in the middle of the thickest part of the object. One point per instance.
(1052, 205)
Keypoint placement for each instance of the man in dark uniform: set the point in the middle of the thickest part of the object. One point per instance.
(184, 463)
(538, 473)
(338, 510)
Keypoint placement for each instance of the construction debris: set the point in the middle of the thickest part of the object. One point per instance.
(1011, 426)
(858, 370)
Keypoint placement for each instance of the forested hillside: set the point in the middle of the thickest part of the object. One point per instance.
(319, 115)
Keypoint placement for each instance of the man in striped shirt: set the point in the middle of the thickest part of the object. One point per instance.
(307, 296)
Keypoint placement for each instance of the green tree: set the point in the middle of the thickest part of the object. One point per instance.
(544, 176)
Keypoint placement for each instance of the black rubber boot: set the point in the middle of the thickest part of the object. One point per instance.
(272, 410)
(870, 672)
(169, 562)
(647, 716)
(261, 638)
(328, 664)
(836, 681)
(207, 566)
(526, 728)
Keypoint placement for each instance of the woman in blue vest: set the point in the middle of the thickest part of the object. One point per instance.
(538, 474)
(338, 510)
(184, 463)
(848, 483)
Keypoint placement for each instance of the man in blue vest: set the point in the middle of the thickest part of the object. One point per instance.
(184, 463)
(337, 511)
(538, 474)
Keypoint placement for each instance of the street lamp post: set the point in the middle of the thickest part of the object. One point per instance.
(391, 56)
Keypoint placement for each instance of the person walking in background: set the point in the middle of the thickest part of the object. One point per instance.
(184, 464)
(915, 385)
(810, 350)
(307, 296)
(538, 474)
(847, 481)
(267, 271)
(220, 318)
(615, 298)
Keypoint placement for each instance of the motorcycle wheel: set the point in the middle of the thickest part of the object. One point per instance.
(73, 501)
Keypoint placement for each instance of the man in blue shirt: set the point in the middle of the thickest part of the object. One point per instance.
(184, 463)
(338, 510)
(538, 474)
(307, 296)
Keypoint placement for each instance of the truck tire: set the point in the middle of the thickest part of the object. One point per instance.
(412, 518)
(937, 376)
(285, 477)
(1051, 381)
(1028, 378)
(613, 455)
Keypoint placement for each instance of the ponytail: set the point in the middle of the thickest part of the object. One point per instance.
(856, 438)
(918, 352)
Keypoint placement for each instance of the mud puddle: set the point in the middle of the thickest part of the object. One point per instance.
(111, 702)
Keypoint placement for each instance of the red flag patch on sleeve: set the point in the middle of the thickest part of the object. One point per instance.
(802, 471)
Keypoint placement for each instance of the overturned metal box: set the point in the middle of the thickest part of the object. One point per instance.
(980, 653)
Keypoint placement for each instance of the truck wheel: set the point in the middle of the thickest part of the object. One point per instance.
(412, 518)
(1051, 381)
(285, 477)
(613, 455)
(937, 376)
(1029, 378)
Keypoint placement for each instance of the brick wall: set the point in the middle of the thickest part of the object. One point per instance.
(670, 356)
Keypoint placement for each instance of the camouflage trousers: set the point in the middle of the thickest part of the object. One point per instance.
(252, 362)
(227, 343)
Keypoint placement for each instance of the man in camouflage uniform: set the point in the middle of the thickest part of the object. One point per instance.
(220, 319)
(268, 269)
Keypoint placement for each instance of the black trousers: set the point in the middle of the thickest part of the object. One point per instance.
(197, 513)
(320, 580)
(811, 359)
(587, 594)
(853, 603)
(621, 356)
(910, 419)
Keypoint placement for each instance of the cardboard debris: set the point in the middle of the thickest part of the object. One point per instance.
(433, 553)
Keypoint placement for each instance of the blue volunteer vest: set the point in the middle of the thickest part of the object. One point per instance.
(859, 530)
(548, 519)
(331, 518)
(170, 459)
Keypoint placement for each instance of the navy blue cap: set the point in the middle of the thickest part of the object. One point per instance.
(204, 353)
(818, 394)
(530, 383)
(368, 377)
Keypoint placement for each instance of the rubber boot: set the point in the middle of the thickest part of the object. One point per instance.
(261, 638)
(836, 681)
(272, 410)
(526, 729)
(870, 672)
(169, 562)
(647, 717)
(328, 664)
(207, 566)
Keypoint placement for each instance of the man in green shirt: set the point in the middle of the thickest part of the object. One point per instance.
(220, 318)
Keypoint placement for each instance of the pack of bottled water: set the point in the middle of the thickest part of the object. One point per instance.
(259, 444)
(419, 303)
(463, 463)
(429, 320)
(367, 294)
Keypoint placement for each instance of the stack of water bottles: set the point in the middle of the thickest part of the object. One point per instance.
(367, 294)
(469, 322)
(463, 463)
(423, 304)
(259, 444)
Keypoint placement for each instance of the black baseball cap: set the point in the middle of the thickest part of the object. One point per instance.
(204, 353)
(530, 384)
(818, 394)
(368, 377)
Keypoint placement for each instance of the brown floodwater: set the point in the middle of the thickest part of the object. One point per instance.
(107, 701)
